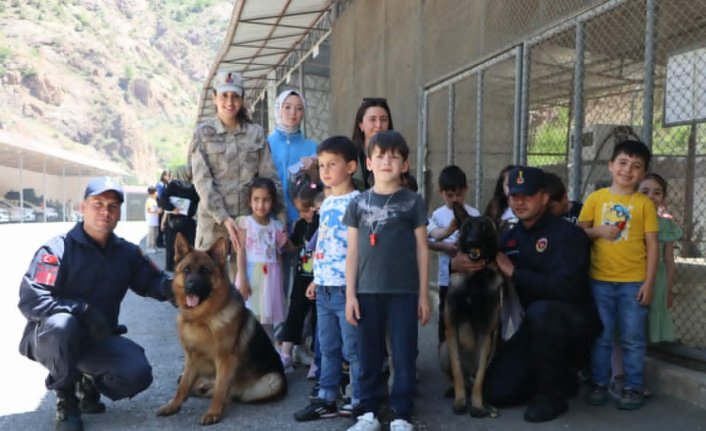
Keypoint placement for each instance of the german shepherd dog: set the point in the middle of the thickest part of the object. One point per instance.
(472, 313)
(228, 355)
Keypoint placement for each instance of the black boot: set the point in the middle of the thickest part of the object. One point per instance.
(68, 415)
(89, 397)
(544, 408)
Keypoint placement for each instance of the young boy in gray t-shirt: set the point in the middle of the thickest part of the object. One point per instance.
(387, 278)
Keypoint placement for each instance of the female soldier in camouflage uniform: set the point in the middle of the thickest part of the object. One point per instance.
(227, 152)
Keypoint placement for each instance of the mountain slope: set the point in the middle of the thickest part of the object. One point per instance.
(118, 77)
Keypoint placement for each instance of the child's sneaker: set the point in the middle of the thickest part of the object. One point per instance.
(401, 425)
(616, 387)
(313, 369)
(302, 356)
(598, 396)
(287, 363)
(631, 400)
(314, 394)
(366, 422)
(318, 409)
(348, 409)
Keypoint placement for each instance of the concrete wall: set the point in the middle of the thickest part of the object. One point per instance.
(393, 48)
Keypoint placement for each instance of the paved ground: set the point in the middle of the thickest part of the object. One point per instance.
(25, 405)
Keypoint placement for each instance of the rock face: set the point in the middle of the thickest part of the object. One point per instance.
(121, 76)
(43, 89)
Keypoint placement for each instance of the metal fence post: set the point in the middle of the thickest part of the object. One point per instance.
(479, 140)
(524, 103)
(575, 155)
(450, 125)
(422, 143)
(649, 80)
(517, 111)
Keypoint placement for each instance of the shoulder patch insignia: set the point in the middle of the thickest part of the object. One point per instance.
(46, 271)
(541, 245)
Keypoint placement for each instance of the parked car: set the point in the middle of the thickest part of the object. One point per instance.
(4, 215)
(17, 213)
(51, 213)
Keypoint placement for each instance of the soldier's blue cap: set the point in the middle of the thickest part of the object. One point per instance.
(525, 180)
(99, 185)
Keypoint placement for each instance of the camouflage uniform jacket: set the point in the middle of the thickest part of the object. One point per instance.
(223, 164)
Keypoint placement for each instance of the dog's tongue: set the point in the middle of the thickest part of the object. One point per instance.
(192, 300)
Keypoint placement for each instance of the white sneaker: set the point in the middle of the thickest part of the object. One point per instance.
(366, 422)
(401, 425)
(287, 363)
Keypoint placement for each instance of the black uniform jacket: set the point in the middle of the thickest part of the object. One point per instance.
(72, 270)
(551, 261)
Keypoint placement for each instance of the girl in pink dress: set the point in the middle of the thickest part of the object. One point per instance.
(261, 239)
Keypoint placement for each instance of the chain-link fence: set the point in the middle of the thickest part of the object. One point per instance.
(593, 74)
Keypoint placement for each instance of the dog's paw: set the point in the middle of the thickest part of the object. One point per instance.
(210, 418)
(168, 409)
(459, 406)
(486, 410)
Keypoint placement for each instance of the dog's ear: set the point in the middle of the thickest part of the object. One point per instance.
(181, 247)
(219, 251)
(492, 242)
(460, 213)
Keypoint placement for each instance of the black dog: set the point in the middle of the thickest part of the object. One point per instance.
(472, 312)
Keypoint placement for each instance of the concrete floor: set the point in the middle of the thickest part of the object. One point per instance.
(26, 405)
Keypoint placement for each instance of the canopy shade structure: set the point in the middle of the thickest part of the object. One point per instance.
(17, 151)
(267, 39)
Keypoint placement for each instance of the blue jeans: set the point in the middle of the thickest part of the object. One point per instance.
(397, 313)
(338, 341)
(619, 311)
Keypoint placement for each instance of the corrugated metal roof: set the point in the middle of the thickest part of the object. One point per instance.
(39, 157)
(265, 39)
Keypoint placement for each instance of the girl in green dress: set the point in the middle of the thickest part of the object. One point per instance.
(660, 325)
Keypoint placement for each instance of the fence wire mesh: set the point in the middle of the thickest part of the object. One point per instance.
(615, 98)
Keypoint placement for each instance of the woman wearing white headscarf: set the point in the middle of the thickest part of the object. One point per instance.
(291, 151)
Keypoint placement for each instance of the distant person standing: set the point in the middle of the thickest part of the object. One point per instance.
(559, 203)
(227, 153)
(179, 201)
(152, 218)
(160, 186)
(292, 153)
(373, 116)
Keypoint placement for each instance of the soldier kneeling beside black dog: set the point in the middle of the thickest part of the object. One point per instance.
(547, 259)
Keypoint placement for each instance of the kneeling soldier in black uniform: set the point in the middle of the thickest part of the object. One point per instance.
(547, 259)
(71, 296)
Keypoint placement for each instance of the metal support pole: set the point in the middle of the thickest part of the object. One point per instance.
(478, 192)
(44, 188)
(422, 143)
(22, 193)
(301, 91)
(517, 111)
(688, 247)
(450, 125)
(575, 163)
(271, 99)
(524, 103)
(63, 193)
(649, 80)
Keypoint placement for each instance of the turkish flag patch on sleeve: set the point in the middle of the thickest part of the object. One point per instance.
(47, 269)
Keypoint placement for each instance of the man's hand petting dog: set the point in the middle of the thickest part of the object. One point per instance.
(505, 265)
(462, 263)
